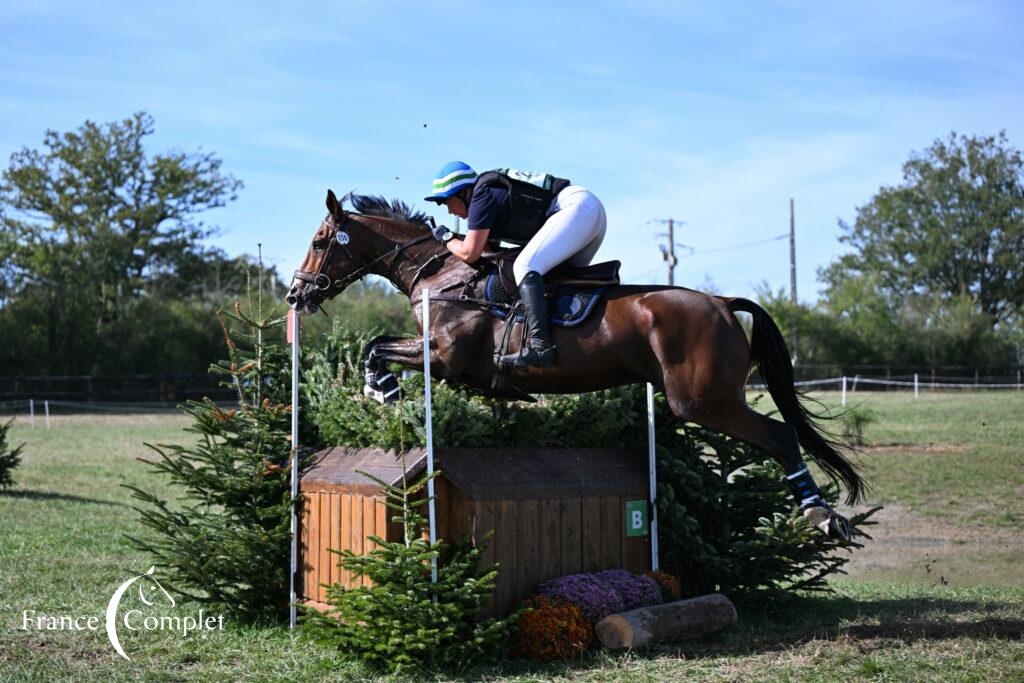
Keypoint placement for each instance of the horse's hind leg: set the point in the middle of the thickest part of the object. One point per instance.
(734, 418)
(703, 373)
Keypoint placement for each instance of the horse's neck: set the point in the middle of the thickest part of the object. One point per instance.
(403, 269)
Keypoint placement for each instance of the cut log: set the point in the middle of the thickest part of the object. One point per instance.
(683, 619)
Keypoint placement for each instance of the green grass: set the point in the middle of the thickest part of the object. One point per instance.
(931, 599)
(955, 457)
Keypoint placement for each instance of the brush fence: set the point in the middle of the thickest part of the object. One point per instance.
(553, 512)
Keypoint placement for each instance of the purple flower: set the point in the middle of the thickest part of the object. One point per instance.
(596, 599)
(635, 591)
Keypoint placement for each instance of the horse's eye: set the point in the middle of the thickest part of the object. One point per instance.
(319, 244)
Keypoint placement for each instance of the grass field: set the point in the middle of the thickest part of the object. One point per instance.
(938, 595)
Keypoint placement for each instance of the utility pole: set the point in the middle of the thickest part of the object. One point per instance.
(671, 255)
(792, 273)
(792, 255)
(668, 252)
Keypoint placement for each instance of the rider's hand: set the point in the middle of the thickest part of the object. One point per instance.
(442, 233)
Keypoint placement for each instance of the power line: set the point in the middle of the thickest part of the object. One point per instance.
(739, 246)
(637, 276)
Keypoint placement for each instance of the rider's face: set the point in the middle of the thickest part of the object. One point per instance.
(456, 207)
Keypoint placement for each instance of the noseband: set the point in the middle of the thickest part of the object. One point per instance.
(322, 281)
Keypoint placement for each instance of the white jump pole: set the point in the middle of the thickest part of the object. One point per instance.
(652, 476)
(430, 429)
(46, 410)
(915, 386)
(32, 411)
(293, 329)
(843, 399)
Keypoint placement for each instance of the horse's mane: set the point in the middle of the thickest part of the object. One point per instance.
(376, 205)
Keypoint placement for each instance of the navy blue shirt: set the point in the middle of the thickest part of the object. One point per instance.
(490, 208)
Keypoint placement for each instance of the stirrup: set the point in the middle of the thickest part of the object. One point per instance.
(529, 357)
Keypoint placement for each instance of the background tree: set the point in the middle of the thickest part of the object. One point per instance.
(954, 228)
(935, 276)
(101, 254)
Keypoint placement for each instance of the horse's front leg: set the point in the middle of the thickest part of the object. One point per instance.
(381, 383)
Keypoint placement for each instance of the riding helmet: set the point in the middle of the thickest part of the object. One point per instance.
(452, 177)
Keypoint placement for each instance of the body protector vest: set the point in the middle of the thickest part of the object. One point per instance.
(530, 195)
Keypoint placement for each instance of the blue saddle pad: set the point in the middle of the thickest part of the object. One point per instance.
(570, 307)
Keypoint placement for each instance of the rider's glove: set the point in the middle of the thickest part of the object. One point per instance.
(442, 234)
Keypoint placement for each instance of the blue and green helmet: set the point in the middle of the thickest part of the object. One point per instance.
(452, 177)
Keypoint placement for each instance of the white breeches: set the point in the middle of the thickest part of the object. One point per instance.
(572, 233)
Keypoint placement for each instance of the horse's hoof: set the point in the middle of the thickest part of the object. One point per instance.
(382, 389)
(831, 524)
(375, 394)
(389, 388)
(839, 528)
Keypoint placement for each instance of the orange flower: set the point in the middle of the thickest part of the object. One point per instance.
(668, 584)
(551, 629)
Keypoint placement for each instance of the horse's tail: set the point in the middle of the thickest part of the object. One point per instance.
(768, 350)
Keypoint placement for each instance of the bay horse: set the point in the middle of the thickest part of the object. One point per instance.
(688, 344)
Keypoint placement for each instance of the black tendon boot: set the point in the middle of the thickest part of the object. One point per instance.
(538, 351)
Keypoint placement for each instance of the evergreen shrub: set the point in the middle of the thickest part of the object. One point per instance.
(404, 621)
(225, 539)
(854, 421)
(9, 457)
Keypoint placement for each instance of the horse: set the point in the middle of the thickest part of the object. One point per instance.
(688, 344)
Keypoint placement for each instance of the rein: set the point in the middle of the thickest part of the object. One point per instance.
(323, 282)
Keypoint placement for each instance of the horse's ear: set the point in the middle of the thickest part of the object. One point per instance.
(332, 203)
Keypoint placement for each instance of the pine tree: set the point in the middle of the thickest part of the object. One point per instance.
(9, 458)
(226, 541)
(404, 621)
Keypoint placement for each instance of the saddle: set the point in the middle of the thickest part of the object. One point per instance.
(573, 291)
(574, 295)
(595, 275)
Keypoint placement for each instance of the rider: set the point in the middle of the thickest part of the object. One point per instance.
(567, 225)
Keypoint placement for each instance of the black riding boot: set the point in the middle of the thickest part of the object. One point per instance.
(538, 351)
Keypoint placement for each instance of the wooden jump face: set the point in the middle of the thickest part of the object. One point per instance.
(553, 512)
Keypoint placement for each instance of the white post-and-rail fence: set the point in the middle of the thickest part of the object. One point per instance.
(914, 383)
(849, 384)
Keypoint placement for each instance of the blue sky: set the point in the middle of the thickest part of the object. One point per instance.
(712, 113)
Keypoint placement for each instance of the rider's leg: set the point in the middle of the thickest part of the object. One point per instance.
(574, 231)
(538, 351)
(584, 256)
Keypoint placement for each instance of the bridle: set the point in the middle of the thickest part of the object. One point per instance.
(322, 282)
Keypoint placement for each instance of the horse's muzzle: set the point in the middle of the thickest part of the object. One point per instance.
(304, 298)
